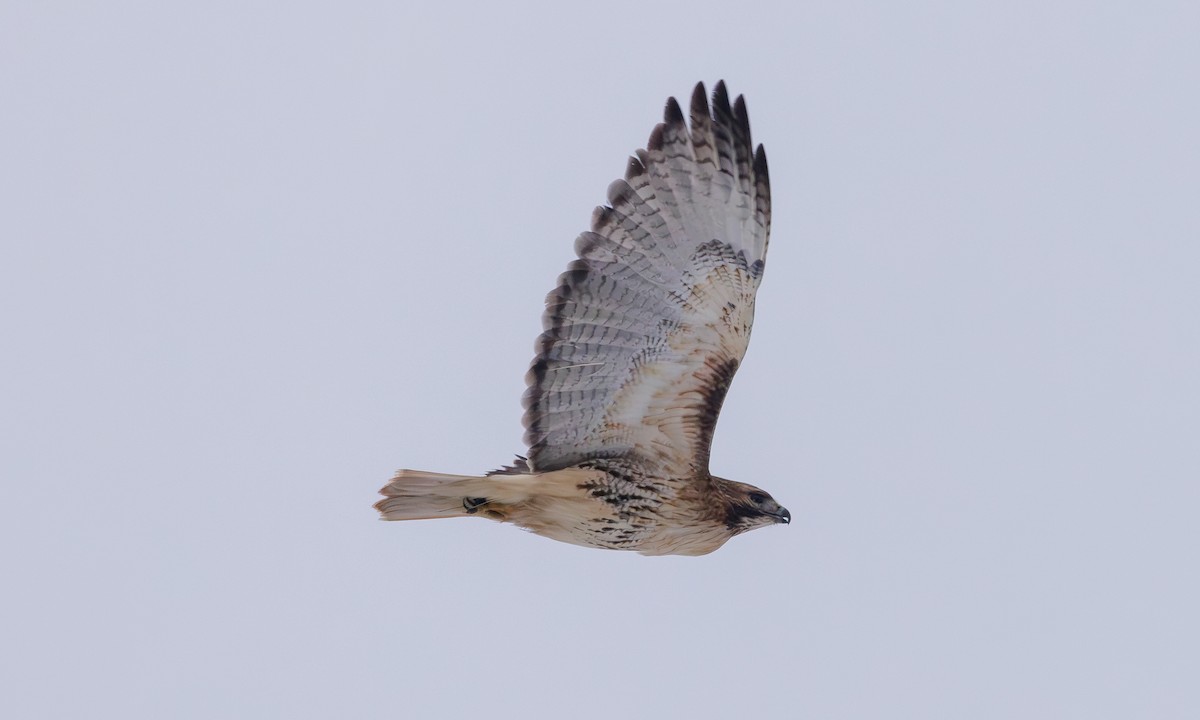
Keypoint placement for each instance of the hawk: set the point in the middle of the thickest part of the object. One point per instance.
(642, 337)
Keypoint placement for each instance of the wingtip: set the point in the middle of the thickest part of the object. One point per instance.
(721, 97)
(699, 101)
(741, 114)
(760, 161)
(672, 113)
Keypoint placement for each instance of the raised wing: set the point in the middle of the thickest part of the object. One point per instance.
(645, 330)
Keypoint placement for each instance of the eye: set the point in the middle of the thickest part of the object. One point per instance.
(758, 498)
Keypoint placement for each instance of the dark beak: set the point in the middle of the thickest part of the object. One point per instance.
(784, 516)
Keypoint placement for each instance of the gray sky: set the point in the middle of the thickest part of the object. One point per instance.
(257, 256)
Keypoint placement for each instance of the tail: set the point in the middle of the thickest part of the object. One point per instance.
(419, 495)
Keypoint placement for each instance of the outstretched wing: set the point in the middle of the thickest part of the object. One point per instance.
(645, 330)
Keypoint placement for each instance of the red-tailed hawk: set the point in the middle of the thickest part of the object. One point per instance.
(642, 337)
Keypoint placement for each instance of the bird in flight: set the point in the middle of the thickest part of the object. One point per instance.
(642, 337)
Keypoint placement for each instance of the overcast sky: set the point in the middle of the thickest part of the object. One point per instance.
(256, 256)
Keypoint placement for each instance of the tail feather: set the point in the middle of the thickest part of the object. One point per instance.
(419, 495)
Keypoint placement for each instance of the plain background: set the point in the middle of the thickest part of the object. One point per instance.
(256, 256)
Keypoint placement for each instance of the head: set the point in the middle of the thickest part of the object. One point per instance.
(748, 507)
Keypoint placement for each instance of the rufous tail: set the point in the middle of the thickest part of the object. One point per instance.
(420, 495)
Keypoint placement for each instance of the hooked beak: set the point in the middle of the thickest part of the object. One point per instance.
(784, 516)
